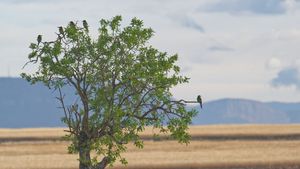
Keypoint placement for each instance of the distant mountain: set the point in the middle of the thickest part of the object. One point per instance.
(25, 105)
(240, 111)
(291, 109)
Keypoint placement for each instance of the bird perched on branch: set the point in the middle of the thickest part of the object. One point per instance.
(61, 33)
(39, 39)
(85, 25)
(199, 100)
(72, 24)
(61, 30)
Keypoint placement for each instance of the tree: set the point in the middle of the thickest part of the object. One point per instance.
(122, 84)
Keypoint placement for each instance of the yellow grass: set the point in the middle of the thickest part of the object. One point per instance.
(239, 129)
(163, 154)
(32, 132)
(194, 130)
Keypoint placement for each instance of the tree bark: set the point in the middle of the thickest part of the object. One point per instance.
(84, 160)
(84, 151)
(102, 164)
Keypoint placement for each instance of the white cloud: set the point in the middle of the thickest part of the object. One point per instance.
(265, 7)
(273, 63)
(191, 23)
(291, 5)
(217, 48)
(289, 76)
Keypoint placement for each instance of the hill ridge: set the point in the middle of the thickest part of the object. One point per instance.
(24, 105)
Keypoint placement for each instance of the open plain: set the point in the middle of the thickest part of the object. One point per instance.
(211, 147)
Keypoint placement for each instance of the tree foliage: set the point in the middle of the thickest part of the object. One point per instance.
(122, 84)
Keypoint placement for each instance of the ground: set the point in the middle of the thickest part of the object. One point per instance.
(211, 147)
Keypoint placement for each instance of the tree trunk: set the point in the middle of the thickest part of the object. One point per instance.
(84, 159)
(84, 152)
(102, 164)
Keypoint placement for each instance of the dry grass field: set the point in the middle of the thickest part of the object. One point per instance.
(211, 147)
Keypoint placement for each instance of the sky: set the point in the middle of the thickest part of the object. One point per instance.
(229, 49)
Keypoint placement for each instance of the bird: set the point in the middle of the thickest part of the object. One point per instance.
(85, 25)
(61, 30)
(39, 39)
(61, 33)
(72, 24)
(199, 100)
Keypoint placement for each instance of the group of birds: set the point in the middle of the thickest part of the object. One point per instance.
(61, 30)
(85, 25)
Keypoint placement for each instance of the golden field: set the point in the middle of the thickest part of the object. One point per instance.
(212, 147)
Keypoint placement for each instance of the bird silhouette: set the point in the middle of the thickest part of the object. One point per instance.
(199, 100)
(72, 24)
(85, 25)
(61, 30)
(39, 39)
